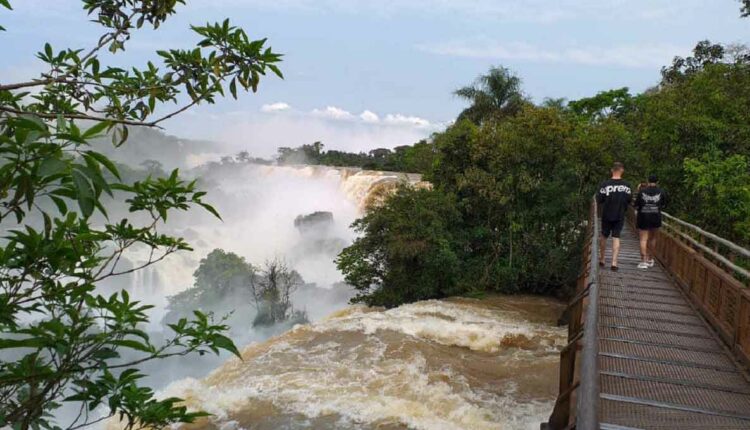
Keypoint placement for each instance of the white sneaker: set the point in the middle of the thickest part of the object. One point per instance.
(651, 263)
(643, 265)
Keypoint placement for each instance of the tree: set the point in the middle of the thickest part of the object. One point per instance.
(272, 293)
(616, 103)
(222, 279)
(498, 93)
(153, 167)
(407, 251)
(504, 215)
(745, 8)
(243, 157)
(380, 153)
(704, 53)
(63, 342)
(704, 111)
(720, 187)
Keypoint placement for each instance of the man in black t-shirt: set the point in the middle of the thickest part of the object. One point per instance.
(613, 197)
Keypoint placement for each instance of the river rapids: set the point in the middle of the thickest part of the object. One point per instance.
(449, 364)
(453, 364)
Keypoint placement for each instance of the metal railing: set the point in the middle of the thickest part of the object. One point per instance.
(706, 268)
(710, 245)
(694, 259)
(577, 404)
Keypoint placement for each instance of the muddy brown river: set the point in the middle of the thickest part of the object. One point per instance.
(452, 364)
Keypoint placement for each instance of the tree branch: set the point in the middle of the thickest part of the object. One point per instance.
(79, 116)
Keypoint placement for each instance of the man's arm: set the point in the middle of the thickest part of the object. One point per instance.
(638, 200)
(601, 194)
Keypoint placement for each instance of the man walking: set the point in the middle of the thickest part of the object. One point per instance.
(613, 197)
(649, 203)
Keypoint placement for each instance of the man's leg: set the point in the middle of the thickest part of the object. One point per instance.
(644, 241)
(616, 230)
(606, 231)
(651, 243)
(615, 250)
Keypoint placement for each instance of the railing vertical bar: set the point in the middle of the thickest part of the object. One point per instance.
(587, 404)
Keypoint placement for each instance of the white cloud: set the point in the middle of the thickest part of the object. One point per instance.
(398, 119)
(262, 134)
(369, 116)
(275, 107)
(622, 55)
(333, 112)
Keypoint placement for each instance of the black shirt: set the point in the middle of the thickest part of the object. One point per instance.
(614, 197)
(651, 200)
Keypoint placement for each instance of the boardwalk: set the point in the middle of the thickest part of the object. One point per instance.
(661, 366)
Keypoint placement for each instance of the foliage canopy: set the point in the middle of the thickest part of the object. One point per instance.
(61, 340)
(514, 180)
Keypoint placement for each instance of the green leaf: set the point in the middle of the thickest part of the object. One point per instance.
(84, 193)
(60, 203)
(132, 344)
(96, 129)
(31, 342)
(106, 162)
(52, 166)
(225, 343)
(276, 70)
(211, 209)
(31, 122)
(6, 4)
(233, 88)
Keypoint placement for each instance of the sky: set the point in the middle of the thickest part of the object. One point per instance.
(366, 74)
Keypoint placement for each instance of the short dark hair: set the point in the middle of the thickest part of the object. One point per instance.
(618, 166)
(653, 179)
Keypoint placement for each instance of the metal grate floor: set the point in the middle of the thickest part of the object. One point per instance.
(661, 366)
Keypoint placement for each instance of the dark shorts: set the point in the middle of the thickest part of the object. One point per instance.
(648, 221)
(613, 228)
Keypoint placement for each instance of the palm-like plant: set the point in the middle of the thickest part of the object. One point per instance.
(495, 94)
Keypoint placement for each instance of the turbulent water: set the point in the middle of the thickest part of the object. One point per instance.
(453, 364)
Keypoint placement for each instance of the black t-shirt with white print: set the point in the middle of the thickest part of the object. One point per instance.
(614, 197)
(651, 201)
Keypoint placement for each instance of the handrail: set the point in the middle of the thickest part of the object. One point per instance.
(731, 245)
(713, 282)
(723, 260)
(587, 404)
(577, 404)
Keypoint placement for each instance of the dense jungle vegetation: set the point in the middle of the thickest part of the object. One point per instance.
(513, 180)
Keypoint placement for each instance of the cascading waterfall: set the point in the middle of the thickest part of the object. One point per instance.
(347, 192)
(453, 364)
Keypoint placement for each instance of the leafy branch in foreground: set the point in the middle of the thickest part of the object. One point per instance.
(61, 341)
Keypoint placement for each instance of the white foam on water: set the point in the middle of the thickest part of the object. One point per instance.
(360, 382)
(445, 323)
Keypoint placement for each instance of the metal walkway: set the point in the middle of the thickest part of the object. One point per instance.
(661, 366)
(662, 348)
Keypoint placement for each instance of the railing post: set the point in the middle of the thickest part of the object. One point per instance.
(587, 402)
(577, 404)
